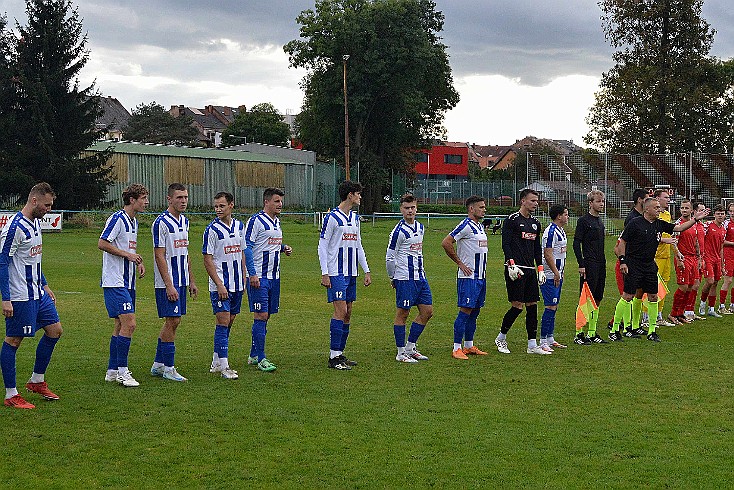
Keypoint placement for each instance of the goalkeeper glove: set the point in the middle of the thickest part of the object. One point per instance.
(513, 271)
(541, 275)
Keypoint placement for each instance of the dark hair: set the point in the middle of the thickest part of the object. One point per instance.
(133, 191)
(40, 190)
(347, 187)
(408, 197)
(525, 192)
(718, 207)
(175, 187)
(699, 203)
(660, 191)
(471, 200)
(272, 191)
(638, 194)
(556, 210)
(226, 195)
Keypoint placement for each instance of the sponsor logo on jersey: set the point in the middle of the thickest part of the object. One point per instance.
(349, 237)
(529, 236)
(275, 240)
(36, 250)
(180, 243)
(132, 244)
(232, 249)
(482, 243)
(416, 247)
(535, 227)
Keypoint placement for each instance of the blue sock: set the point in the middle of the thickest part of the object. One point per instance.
(123, 348)
(416, 329)
(335, 331)
(460, 326)
(399, 335)
(7, 363)
(471, 325)
(547, 323)
(221, 341)
(168, 353)
(112, 364)
(43, 353)
(158, 353)
(345, 335)
(259, 329)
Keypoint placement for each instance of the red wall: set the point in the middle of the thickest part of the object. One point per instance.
(436, 159)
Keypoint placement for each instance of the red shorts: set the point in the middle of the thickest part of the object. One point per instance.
(689, 273)
(728, 264)
(620, 278)
(712, 268)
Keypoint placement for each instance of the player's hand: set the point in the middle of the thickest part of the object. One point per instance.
(669, 241)
(171, 293)
(326, 281)
(582, 272)
(255, 282)
(513, 271)
(193, 290)
(50, 293)
(7, 309)
(556, 281)
(367, 278)
(541, 276)
(392, 283)
(141, 270)
(137, 258)
(623, 269)
(287, 250)
(468, 271)
(698, 215)
(222, 292)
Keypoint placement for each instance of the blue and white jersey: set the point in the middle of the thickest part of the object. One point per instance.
(404, 257)
(226, 245)
(265, 238)
(122, 233)
(20, 260)
(471, 247)
(173, 235)
(340, 245)
(555, 237)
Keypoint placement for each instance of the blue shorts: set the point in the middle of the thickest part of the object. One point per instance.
(29, 316)
(231, 305)
(343, 288)
(551, 293)
(412, 293)
(266, 298)
(470, 293)
(168, 309)
(119, 301)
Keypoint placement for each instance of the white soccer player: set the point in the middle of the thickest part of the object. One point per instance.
(404, 262)
(27, 301)
(340, 251)
(264, 238)
(471, 285)
(555, 244)
(224, 260)
(173, 277)
(120, 261)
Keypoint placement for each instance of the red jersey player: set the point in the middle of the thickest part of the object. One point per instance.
(712, 250)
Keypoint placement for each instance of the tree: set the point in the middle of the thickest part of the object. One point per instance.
(152, 123)
(664, 93)
(53, 118)
(261, 124)
(399, 83)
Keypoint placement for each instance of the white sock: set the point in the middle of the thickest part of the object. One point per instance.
(468, 344)
(215, 358)
(457, 346)
(551, 340)
(157, 365)
(37, 378)
(10, 392)
(167, 369)
(334, 353)
(711, 309)
(501, 336)
(410, 346)
(532, 343)
(121, 370)
(112, 372)
(223, 362)
(401, 350)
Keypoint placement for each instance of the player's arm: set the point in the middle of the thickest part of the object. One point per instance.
(551, 261)
(250, 237)
(619, 251)
(159, 255)
(510, 239)
(448, 246)
(5, 260)
(697, 216)
(323, 251)
(362, 259)
(211, 270)
(391, 253)
(578, 249)
(193, 288)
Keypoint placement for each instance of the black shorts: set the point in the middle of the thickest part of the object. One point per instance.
(641, 276)
(524, 289)
(596, 276)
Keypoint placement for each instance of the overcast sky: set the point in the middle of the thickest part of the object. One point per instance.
(522, 67)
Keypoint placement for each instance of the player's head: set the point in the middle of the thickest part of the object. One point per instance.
(135, 195)
(177, 197)
(719, 213)
(651, 207)
(223, 204)
(663, 196)
(273, 200)
(559, 214)
(476, 206)
(350, 191)
(40, 199)
(638, 196)
(529, 200)
(408, 206)
(596, 200)
(699, 206)
(730, 210)
(686, 208)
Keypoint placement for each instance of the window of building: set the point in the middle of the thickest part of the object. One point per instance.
(453, 159)
(421, 157)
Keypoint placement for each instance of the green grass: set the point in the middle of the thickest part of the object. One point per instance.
(621, 415)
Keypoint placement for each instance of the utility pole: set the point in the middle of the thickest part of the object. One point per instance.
(346, 118)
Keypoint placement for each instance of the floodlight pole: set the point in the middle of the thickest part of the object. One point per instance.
(346, 119)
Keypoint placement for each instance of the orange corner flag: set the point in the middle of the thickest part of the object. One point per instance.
(587, 305)
(662, 290)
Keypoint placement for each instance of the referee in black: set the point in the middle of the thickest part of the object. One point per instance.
(636, 251)
(588, 246)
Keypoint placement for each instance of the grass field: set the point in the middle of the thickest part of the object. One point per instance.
(636, 414)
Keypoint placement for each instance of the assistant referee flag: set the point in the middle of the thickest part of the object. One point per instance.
(587, 305)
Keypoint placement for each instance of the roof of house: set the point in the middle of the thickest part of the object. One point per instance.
(206, 119)
(114, 115)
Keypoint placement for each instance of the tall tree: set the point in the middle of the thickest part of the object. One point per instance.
(54, 117)
(664, 93)
(261, 124)
(399, 83)
(152, 123)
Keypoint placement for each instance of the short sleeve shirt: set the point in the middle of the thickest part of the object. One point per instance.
(642, 238)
